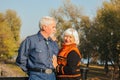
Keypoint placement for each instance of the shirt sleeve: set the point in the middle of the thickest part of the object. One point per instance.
(55, 47)
(22, 57)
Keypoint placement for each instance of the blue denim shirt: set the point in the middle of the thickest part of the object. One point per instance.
(36, 52)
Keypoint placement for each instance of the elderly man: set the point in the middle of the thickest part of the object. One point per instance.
(37, 52)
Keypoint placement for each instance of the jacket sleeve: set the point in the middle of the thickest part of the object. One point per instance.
(22, 57)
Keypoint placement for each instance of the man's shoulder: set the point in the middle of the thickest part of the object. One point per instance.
(31, 36)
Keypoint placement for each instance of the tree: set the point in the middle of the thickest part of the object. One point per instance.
(14, 23)
(8, 41)
(108, 19)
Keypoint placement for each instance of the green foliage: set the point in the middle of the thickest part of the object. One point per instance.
(109, 23)
(9, 32)
(105, 32)
(14, 23)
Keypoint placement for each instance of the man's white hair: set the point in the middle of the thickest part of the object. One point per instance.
(71, 31)
(46, 20)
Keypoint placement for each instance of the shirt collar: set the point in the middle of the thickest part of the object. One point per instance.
(40, 36)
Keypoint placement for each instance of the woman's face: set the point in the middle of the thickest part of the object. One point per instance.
(69, 39)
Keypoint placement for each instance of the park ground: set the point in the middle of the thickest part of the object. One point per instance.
(95, 72)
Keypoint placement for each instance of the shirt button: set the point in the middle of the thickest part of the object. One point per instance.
(40, 51)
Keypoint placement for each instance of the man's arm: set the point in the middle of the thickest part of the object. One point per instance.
(22, 57)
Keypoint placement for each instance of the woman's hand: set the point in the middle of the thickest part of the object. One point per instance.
(54, 60)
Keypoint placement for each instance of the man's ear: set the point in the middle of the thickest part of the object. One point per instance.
(44, 27)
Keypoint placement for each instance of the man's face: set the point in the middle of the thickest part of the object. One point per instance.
(51, 29)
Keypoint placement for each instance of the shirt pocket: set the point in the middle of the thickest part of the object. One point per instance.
(38, 50)
(35, 53)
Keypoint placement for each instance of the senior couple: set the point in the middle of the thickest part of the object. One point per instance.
(40, 57)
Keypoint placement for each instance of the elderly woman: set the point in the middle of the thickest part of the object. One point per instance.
(69, 57)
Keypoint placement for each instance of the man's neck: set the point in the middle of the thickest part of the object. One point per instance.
(45, 35)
